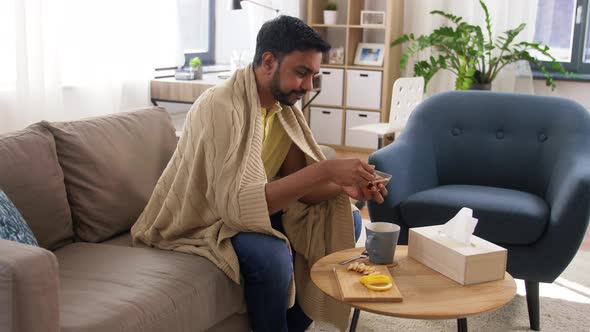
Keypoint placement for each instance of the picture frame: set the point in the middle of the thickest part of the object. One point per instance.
(372, 18)
(336, 56)
(369, 54)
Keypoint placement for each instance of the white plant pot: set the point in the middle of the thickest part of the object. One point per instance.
(330, 16)
(198, 72)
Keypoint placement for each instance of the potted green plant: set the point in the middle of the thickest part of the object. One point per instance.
(472, 54)
(196, 67)
(330, 13)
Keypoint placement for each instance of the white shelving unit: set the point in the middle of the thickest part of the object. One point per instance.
(354, 94)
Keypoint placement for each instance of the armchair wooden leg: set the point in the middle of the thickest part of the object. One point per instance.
(532, 301)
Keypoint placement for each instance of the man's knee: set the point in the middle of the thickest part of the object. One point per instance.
(358, 224)
(280, 266)
(264, 257)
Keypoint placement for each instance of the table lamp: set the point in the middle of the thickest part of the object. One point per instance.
(237, 4)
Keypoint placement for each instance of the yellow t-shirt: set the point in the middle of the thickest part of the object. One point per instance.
(275, 142)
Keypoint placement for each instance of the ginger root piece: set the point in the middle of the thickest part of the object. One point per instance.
(361, 268)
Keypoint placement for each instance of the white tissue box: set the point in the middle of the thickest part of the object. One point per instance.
(466, 264)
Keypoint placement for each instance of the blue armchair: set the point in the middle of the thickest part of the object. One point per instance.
(521, 162)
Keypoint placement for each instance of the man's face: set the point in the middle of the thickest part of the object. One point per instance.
(294, 75)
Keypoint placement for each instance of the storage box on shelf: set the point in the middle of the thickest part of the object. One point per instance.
(363, 89)
(356, 93)
(356, 138)
(332, 88)
(326, 125)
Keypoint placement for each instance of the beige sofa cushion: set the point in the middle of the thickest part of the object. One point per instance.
(111, 165)
(31, 177)
(116, 288)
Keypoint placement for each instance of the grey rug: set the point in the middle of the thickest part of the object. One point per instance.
(565, 306)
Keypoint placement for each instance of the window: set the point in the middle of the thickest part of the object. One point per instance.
(563, 26)
(197, 29)
(50, 42)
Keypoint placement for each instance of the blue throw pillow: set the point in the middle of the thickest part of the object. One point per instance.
(12, 224)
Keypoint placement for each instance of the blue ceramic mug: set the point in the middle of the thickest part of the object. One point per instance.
(381, 241)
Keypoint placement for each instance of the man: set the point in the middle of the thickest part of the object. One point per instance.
(247, 173)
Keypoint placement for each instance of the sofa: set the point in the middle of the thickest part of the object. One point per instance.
(80, 186)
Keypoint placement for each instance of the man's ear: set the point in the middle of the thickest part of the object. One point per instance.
(269, 61)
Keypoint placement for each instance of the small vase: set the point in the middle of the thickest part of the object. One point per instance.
(198, 72)
(480, 86)
(330, 16)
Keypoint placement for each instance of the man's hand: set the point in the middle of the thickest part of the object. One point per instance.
(374, 192)
(349, 172)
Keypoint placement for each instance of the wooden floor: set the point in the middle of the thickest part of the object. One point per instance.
(365, 214)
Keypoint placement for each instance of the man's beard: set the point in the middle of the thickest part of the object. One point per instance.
(278, 94)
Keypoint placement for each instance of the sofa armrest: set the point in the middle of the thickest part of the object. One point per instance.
(29, 285)
(411, 163)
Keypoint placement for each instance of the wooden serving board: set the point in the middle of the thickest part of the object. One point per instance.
(352, 290)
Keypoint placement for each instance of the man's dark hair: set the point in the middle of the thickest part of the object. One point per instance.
(286, 34)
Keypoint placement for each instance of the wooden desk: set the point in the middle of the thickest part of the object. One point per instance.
(179, 91)
(426, 293)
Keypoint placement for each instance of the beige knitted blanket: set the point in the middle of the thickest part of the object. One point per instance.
(214, 187)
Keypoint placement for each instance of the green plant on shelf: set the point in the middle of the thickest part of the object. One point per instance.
(331, 6)
(473, 54)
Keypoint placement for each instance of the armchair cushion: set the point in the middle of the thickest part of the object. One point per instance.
(505, 216)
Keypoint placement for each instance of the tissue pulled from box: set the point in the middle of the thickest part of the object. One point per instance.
(461, 226)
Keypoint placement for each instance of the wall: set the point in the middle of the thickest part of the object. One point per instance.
(577, 91)
(237, 29)
(231, 31)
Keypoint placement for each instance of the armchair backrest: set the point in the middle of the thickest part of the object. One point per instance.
(498, 139)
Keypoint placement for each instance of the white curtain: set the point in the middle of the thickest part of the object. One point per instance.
(66, 59)
(505, 15)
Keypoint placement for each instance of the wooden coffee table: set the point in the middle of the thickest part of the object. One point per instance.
(426, 293)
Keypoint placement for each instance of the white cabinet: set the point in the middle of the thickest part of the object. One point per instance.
(326, 125)
(332, 86)
(357, 138)
(363, 89)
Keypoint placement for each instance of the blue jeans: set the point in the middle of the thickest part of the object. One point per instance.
(266, 266)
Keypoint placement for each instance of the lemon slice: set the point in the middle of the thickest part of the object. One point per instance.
(380, 287)
(377, 282)
(375, 279)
